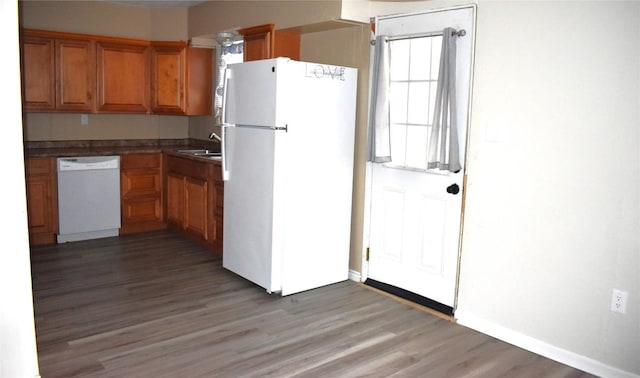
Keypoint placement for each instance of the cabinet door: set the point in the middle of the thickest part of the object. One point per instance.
(42, 211)
(286, 44)
(75, 75)
(199, 93)
(168, 78)
(123, 77)
(38, 73)
(39, 204)
(141, 192)
(175, 199)
(258, 42)
(181, 79)
(218, 196)
(196, 191)
(139, 211)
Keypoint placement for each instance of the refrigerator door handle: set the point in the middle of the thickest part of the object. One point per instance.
(223, 144)
(225, 89)
(224, 126)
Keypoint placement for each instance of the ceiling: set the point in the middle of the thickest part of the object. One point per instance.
(157, 3)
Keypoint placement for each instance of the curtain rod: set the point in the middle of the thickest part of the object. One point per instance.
(458, 33)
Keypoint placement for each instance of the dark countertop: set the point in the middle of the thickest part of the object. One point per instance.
(115, 147)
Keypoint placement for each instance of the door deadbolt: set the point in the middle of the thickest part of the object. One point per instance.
(453, 189)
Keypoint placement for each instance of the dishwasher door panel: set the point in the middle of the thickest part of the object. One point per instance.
(88, 203)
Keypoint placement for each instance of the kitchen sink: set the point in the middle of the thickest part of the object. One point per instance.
(201, 153)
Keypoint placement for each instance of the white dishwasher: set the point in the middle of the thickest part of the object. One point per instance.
(88, 197)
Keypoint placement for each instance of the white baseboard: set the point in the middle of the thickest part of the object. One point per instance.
(354, 275)
(536, 346)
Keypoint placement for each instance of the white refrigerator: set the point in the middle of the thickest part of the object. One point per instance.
(287, 156)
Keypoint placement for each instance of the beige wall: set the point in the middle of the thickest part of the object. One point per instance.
(101, 18)
(213, 16)
(66, 126)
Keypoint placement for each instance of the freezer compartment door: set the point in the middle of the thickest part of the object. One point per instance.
(249, 245)
(252, 93)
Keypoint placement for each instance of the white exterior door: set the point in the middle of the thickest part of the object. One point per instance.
(415, 219)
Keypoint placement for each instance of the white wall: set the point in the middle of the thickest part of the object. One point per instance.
(552, 210)
(17, 333)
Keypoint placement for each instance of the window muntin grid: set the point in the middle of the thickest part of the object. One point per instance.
(414, 66)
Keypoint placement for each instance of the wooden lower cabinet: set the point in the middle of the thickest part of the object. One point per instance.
(42, 200)
(141, 192)
(196, 207)
(175, 199)
(193, 194)
(157, 191)
(218, 213)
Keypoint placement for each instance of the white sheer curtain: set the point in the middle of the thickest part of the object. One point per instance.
(379, 121)
(444, 148)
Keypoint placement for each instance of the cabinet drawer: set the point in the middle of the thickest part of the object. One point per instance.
(132, 161)
(142, 210)
(39, 166)
(188, 167)
(137, 183)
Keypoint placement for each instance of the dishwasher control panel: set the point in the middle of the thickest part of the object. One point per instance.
(88, 163)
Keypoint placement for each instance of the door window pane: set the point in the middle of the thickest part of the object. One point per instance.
(400, 65)
(416, 151)
(398, 104)
(418, 103)
(398, 141)
(420, 59)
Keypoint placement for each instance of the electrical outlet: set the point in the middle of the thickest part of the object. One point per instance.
(619, 301)
(84, 119)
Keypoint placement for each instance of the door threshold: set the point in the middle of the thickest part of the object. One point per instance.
(412, 299)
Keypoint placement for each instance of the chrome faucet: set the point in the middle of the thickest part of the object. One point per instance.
(216, 137)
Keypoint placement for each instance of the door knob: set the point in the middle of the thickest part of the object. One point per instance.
(453, 189)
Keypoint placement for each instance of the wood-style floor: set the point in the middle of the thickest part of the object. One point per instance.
(156, 305)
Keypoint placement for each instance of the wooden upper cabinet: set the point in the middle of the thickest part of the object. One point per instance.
(258, 42)
(75, 75)
(199, 81)
(180, 79)
(123, 77)
(262, 42)
(58, 72)
(38, 73)
(286, 44)
(168, 76)
(84, 73)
